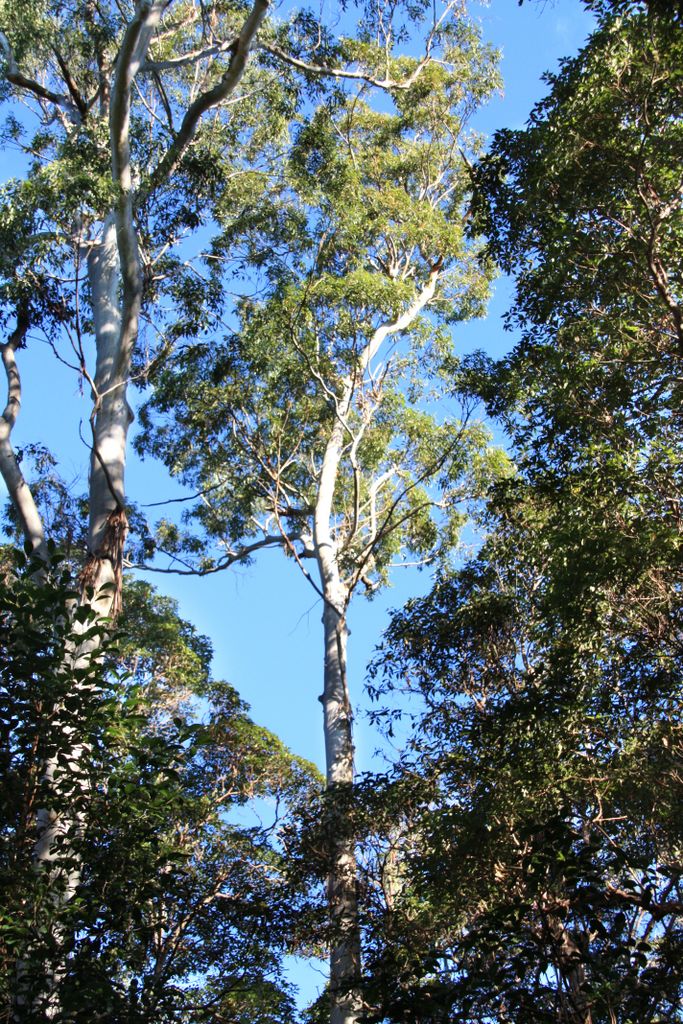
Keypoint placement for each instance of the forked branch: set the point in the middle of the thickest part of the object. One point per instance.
(239, 49)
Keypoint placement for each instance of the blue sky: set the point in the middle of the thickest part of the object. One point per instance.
(264, 621)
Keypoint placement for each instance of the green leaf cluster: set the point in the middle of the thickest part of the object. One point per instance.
(158, 902)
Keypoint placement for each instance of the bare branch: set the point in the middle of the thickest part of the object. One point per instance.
(189, 497)
(229, 559)
(192, 58)
(390, 84)
(389, 525)
(164, 101)
(422, 299)
(133, 51)
(78, 100)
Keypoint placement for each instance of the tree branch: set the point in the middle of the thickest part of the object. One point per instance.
(192, 58)
(18, 490)
(133, 51)
(231, 558)
(390, 84)
(422, 299)
(388, 526)
(240, 49)
(78, 100)
(16, 77)
(395, 84)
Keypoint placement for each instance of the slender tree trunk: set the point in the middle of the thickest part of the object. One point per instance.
(17, 488)
(339, 751)
(342, 886)
(345, 957)
(575, 1004)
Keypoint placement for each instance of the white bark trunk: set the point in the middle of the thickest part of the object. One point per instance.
(116, 286)
(116, 282)
(111, 421)
(345, 951)
(339, 751)
(112, 412)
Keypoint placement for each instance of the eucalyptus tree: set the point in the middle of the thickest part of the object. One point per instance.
(314, 426)
(124, 164)
(138, 121)
(121, 164)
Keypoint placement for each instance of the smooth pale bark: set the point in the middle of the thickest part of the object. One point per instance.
(106, 481)
(339, 751)
(111, 421)
(116, 285)
(55, 832)
(342, 885)
(17, 488)
(116, 282)
(345, 948)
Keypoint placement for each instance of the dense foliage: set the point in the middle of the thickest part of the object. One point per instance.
(279, 256)
(544, 837)
(178, 904)
(341, 326)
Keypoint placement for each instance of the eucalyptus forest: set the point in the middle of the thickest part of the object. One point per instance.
(249, 235)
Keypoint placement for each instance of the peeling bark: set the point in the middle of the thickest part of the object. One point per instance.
(102, 574)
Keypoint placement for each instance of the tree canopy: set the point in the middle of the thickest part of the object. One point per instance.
(179, 908)
(272, 222)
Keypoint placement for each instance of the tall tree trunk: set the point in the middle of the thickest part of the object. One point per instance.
(116, 284)
(339, 756)
(345, 957)
(111, 420)
(115, 280)
(339, 752)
